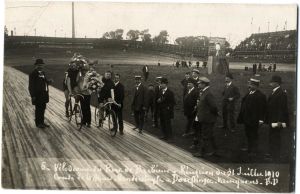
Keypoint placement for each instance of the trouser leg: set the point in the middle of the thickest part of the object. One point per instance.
(39, 113)
(275, 143)
(137, 118)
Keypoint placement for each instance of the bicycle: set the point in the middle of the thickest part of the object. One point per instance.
(76, 110)
(101, 113)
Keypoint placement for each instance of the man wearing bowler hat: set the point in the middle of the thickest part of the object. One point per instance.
(166, 103)
(195, 75)
(39, 92)
(277, 116)
(230, 96)
(189, 105)
(207, 113)
(252, 114)
(139, 103)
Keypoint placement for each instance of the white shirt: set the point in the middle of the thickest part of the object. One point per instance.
(190, 90)
(228, 84)
(205, 88)
(164, 90)
(117, 83)
(274, 90)
(137, 86)
(252, 92)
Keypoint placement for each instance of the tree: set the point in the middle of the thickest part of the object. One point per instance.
(162, 38)
(133, 35)
(106, 35)
(119, 34)
(146, 37)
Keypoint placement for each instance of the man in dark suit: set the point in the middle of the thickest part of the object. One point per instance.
(145, 72)
(139, 103)
(119, 98)
(277, 116)
(230, 96)
(166, 103)
(156, 96)
(184, 83)
(207, 113)
(189, 104)
(252, 114)
(254, 68)
(39, 92)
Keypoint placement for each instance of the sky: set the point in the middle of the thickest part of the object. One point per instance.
(235, 22)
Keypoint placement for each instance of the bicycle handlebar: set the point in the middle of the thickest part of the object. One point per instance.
(112, 102)
(74, 95)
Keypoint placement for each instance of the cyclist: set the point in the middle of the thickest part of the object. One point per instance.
(69, 84)
(85, 102)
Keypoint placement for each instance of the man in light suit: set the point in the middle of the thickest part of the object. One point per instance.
(139, 103)
(252, 114)
(207, 113)
(277, 116)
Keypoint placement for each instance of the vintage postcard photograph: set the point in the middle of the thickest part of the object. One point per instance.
(149, 96)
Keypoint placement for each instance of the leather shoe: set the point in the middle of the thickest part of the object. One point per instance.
(140, 131)
(198, 155)
(134, 128)
(46, 125)
(121, 133)
(41, 126)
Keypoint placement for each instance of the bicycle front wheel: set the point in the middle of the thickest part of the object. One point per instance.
(98, 120)
(112, 122)
(78, 116)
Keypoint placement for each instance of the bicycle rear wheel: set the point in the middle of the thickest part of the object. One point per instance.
(112, 123)
(78, 116)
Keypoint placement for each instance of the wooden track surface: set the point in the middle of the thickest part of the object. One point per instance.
(30, 155)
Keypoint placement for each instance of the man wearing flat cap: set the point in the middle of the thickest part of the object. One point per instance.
(207, 113)
(139, 103)
(195, 75)
(39, 92)
(230, 96)
(252, 114)
(277, 116)
(189, 105)
(166, 103)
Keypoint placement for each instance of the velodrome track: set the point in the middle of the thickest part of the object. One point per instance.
(30, 156)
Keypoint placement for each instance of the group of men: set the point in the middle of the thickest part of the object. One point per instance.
(201, 113)
(199, 106)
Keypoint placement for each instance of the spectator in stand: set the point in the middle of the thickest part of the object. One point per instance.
(270, 68)
(197, 64)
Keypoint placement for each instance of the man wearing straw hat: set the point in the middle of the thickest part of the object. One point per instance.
(252, 114)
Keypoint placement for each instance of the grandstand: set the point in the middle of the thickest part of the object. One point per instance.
(273, 46)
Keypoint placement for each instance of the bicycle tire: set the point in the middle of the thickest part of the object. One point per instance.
(70, 110)
(98, 121)
(112, 123)
(78, 116)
